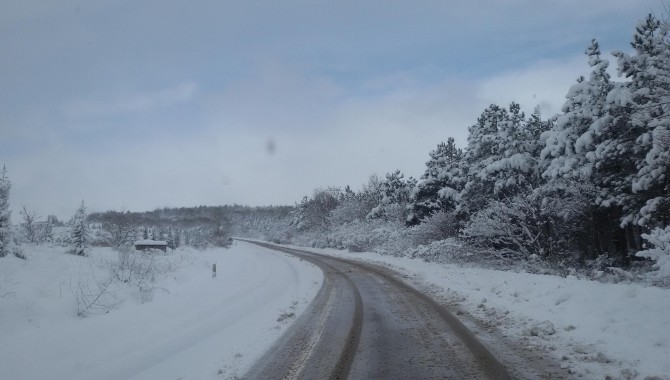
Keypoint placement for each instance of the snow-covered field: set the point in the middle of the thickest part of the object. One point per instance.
(595, 329)
(188, 325)
(184, 324)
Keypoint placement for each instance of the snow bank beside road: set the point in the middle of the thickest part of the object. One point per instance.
(595, 329)
(194, 327)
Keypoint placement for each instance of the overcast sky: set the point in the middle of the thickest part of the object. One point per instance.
(135, 105)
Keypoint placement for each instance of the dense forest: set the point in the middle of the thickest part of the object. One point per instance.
(588, 187)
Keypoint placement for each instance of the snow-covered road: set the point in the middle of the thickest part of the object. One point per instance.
(365, 324)
(596, 330)
(196, 327)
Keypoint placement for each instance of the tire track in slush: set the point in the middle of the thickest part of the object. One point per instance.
(314, 347)
(365, 323)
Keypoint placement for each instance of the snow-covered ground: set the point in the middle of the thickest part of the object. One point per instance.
(595, 329)
(184, 325)
(188, 325)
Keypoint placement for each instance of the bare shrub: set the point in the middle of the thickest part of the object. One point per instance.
(140, 269)
(132, 270)
(97, 299)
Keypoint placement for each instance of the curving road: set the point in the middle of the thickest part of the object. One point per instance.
(366, 324)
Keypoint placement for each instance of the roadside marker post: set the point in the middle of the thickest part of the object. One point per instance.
(213, 270)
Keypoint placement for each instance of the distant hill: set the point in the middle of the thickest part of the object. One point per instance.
(190, 217)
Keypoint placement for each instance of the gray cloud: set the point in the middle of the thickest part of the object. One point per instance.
(137, 105)
(131, 103)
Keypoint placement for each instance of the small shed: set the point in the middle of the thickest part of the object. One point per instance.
(143, 245)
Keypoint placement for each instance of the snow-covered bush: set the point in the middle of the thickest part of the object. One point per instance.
(441, 251)
(377, 235)
(660, 253)
(435, 227)
(274, 227)
(61, 236)
(131, 273)
(391, 238)
(512, 226)
(546, 222)
(313, 213)
(352, 207)
(136, 267)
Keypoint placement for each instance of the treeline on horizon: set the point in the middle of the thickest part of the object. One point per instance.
(187, 216)
(198, 226)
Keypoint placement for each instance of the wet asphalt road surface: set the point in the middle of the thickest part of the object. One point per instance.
(366, 324)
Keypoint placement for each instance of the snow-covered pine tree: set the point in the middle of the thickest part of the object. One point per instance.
(171, 240)
(500, 203)
(5, 214)
(647, 96)
(515, 169)
(622, 138)
(443, 173)
(501, 157)
(482, 150)
(80, 241)
(396, 197)
(573, 134)
(177, 238)
(575, 174)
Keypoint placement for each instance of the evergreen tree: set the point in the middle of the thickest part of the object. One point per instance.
(171, 240)
(187, 237)
(80, 241)
(588, 158)
(395, 199)
(647, 97)
(5, 215)
(627, 162)
(572, 138)
(481, 151)
(624, 174)
(177, 238)
(501, 157)
(443, 173)
(515, 166)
